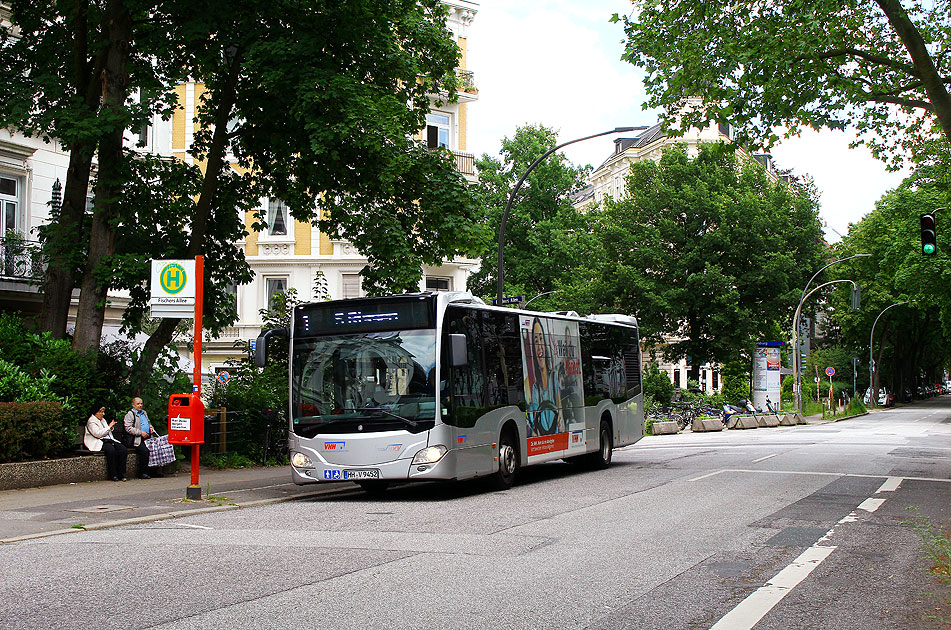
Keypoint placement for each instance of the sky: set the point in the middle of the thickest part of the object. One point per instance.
(557, 63)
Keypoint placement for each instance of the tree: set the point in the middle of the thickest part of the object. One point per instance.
(707, 252)
(544, 234)
(875, 64)
(316, 103)
(910, 340)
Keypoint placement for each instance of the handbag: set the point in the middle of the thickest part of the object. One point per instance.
(160, 451)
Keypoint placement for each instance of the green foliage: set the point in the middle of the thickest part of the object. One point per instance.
(42, 368)
(226, 460)
(257, 398)
(906, 296)
(545, 237)
(704, 250)
(935, 545)
(789, 65)
(736, 381)
(657, 385)
(34, 430)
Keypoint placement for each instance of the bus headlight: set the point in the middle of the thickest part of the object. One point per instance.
(299, 460)
(429, 455)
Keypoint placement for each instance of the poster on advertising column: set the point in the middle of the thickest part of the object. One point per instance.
(551, 360)
(766, 375)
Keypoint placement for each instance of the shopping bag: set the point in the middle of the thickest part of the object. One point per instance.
(160, 451)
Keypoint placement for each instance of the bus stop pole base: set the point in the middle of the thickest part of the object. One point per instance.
(193, 493)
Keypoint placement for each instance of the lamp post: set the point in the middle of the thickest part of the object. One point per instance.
(871, 360)
(797, 386)
(508, 205)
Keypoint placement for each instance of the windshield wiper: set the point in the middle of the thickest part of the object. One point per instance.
(406, 421)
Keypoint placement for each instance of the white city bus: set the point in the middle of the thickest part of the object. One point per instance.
(441, 386)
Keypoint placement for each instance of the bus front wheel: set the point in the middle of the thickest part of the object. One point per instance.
(508, 462)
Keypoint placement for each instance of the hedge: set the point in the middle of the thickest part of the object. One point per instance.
(34, 430)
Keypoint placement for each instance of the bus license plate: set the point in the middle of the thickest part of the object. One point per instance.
(353, 475)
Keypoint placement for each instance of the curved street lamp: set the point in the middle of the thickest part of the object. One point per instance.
(508, 205)
(797, 384)
(871, 360)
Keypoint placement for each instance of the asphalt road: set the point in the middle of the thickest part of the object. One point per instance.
(790, 527)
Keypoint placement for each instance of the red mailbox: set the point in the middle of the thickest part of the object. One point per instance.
(186, 419)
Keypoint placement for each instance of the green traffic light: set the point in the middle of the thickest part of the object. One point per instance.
(927, 248)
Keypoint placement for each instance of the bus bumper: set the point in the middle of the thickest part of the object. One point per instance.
(398, 470)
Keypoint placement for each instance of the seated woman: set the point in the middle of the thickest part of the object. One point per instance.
(98, 437)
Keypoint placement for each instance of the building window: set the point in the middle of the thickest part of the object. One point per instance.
(438, 284)
(10, 190)
(273, 286)
(677, 378)
(350, 286)
(437, 130)
(716, 380)
(276, 218)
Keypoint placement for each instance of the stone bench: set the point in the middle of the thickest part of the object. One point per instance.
(664, 428)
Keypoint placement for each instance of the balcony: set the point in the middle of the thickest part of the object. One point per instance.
(467, 81)
(465, 162)
(20, 259)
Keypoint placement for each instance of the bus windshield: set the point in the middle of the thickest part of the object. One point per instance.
(374, 381)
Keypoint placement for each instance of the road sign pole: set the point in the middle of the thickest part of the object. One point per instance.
(194, 490)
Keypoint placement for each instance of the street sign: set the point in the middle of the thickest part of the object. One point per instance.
(223, 377)
(508, 300)
(830, 371)
(254, 344)
(173, 289)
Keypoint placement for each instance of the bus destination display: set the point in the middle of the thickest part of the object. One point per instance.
(363, 316)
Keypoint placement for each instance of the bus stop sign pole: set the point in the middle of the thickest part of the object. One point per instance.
(194, 489)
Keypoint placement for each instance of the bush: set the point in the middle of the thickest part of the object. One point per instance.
(736, 381)
(657, 385)
(34, 430)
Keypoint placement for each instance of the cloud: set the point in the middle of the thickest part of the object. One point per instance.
(556, 64)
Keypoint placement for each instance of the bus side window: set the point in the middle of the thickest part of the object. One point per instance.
(467, 386)
(503, 359)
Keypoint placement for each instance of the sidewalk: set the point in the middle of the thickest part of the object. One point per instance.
(69, 508)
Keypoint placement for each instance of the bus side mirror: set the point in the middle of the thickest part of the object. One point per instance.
(260, 348)
(458, 354)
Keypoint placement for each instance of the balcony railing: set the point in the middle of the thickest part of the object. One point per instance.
(465, 162)
(20, 259)
(467, 81)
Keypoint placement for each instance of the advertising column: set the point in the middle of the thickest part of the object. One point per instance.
(766, 381)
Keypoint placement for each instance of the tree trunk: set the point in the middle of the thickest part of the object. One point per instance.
(92, 296)
(203, 211)
(63, 244)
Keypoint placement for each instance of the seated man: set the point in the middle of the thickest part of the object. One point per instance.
(137, 425)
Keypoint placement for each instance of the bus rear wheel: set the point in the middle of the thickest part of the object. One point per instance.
(504, 477)
(601, 458)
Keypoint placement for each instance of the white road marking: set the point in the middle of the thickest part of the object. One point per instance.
(756, 461)
(870, 505)
(193, 526)
(748, 613)
(716, 472)
(752, 609)
(891, 484)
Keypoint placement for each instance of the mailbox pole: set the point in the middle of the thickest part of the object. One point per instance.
(194, 489)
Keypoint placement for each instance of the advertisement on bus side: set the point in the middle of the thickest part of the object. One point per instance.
(551, 360)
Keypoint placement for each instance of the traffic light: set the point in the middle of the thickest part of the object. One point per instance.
(929, 234)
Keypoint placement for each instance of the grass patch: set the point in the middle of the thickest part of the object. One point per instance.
(225, 461)
(936, 547)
